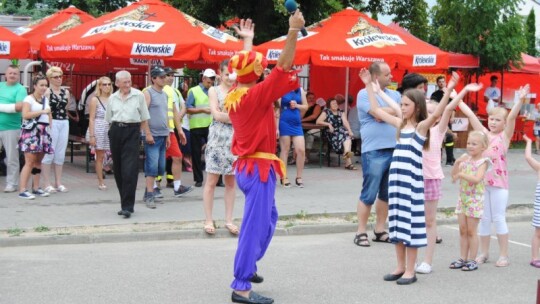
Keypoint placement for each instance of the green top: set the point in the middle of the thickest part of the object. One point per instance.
(11, 94)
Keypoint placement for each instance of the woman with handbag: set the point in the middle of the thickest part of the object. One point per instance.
(97, 135)
(58, 98)
(35, 140)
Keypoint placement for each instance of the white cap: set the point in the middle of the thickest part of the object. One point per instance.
(209, 73)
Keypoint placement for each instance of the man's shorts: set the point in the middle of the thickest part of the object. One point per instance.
(174, 148)
(154, 163)
(432, 189)
(375, 169)
(536, 133)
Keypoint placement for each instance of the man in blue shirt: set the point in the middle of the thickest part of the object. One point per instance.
(378, 142)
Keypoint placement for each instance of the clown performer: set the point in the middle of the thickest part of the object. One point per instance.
(251, 111)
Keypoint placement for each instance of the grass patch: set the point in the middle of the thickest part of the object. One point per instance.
(15, 231)
(301, 215)
(41, 229)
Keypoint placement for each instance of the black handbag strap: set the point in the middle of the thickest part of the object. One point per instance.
(101, 103)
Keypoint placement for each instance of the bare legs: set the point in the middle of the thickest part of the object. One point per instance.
(468, 238)
(535, 244)
(31, 161)
(363, 211)
(100, 155)
(208, 197)
(431, 228)
(406, 257)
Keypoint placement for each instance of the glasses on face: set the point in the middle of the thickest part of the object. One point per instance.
(162, 77)
(57, 77)
(170, 75)
(212, 78)
(106, 84)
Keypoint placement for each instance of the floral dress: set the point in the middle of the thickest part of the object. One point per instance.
(218, 156)
(340, 134)
(471, 196)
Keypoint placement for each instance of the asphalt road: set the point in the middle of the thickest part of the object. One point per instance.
(297, 269)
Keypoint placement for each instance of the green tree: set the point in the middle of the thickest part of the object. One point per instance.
(530, 34)
(489, 29)
(411, 15)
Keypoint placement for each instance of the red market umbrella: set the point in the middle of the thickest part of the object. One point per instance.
(145, 30)
(351, 39)
(13, 46)
(456, 60)
(529, 65)
(52, 25)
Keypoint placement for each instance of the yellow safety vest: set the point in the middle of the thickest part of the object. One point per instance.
(199, 120)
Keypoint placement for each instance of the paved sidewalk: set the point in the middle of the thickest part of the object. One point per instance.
(327, 190)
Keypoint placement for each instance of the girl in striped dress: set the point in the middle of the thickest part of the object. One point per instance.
(407, 222)
(535, 243)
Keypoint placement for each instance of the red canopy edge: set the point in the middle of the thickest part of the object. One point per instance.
(13, 46)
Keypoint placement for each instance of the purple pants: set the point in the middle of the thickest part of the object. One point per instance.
(258, 224)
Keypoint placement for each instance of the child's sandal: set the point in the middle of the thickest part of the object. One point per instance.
(457, 264)
(470, 266)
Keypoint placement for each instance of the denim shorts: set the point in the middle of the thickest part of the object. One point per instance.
(375, 169)
(154, 162)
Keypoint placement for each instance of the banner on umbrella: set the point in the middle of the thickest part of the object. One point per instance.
(150, 49)
(5, 47)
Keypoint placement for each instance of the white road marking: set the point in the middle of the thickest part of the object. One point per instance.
(509, 241)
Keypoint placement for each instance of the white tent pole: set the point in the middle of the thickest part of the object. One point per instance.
(346, 90)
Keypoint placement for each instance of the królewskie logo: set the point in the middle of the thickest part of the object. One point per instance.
(153, 49)
(5, 47)
(145, 62)
(125, 26)
(273, 54)
(425, 60)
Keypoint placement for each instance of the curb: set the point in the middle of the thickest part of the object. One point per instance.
(21, 241)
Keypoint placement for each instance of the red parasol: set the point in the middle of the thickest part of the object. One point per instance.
(351, 39)
(13, 46)
(145, 30)
(52, 25)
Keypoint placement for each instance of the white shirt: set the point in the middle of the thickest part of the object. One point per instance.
(36, 106)
(493, 93)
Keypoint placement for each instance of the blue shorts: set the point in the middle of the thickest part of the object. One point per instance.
(186, 149)
(536, 133)
(375, 169)
(154, 162)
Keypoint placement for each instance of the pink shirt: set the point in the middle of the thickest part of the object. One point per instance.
(431, 159)
(496, 152)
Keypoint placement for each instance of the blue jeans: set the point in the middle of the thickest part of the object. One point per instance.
(154, 163)
(375, 169)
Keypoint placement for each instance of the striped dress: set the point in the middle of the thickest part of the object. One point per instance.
(406, 217)
(536, 215)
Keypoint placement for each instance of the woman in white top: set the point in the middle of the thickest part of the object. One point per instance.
(35, 140)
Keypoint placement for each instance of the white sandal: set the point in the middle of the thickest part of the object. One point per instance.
(62, 189)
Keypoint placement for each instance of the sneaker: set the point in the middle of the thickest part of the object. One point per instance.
(157, 193)
(149, 200)
(424, 268)
(9, 189)
(50, 189)
(183, 190)
(62, 189)
(40, 192)
(26, 195)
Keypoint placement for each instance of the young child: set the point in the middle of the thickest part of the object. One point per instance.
(406, 183)
(470, 168)
(501, 129)
(433, 173)
(535, 243)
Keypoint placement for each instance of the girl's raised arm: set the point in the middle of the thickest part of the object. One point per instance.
(528, 154)
(475, 122)
(472, 87)
(427, 123)
(375, 109)
(511, 119)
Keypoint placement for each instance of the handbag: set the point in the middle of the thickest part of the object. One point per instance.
(30, 124)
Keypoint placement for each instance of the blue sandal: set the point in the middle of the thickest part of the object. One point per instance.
(457, 264)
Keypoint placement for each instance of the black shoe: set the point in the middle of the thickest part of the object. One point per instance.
(125, 213)
(254, 298)
(392, 277)
(198, 184)
(257, 279)
(409, 281)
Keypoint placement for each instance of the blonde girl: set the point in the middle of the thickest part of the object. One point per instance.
(470, 169)
(535, 242)
(501, 125)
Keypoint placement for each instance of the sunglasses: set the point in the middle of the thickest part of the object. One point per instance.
(106, 84)
(57, 77)
(212, 78)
